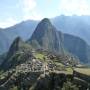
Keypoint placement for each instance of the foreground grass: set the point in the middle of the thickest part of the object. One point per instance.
(39, 56)
(69, 70)
(85, 71)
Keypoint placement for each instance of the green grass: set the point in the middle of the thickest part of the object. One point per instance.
(85, 71)
(59, 64)
(39, 56)
(1, 75)
(69, 70)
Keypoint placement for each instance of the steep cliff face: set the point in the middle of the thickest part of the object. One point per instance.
(47, 36)
(76, 46)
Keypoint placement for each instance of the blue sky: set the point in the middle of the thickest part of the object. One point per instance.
(15, 11)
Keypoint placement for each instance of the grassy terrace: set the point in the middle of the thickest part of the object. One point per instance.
(39, 56)
(85, 71)
(69, 71)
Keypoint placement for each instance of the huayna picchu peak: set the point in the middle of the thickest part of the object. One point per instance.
(47, 36)
(46, 21)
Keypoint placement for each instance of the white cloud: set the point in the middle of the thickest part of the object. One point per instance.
(8, 22)
(28, 5)
(29, 11)
(29, 8)
(32, 15)
(79, 7)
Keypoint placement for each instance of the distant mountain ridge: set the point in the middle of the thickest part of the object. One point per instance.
(48, 39)
(23, 30)
(74, 25)
(77, 46)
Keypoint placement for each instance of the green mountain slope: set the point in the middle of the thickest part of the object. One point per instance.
(17, 54)
(77, 46)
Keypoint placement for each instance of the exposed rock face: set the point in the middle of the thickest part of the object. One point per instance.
(47, 36)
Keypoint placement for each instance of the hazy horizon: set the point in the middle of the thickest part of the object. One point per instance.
(15, 11)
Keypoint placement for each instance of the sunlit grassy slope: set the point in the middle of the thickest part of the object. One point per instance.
(83, 70)
(39, 56)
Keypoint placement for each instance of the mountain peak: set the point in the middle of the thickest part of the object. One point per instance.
(46, 36)
(17, 43)
(15, 46)
(45, 23)
(42, 28)
(46, 20)
(17, 40)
